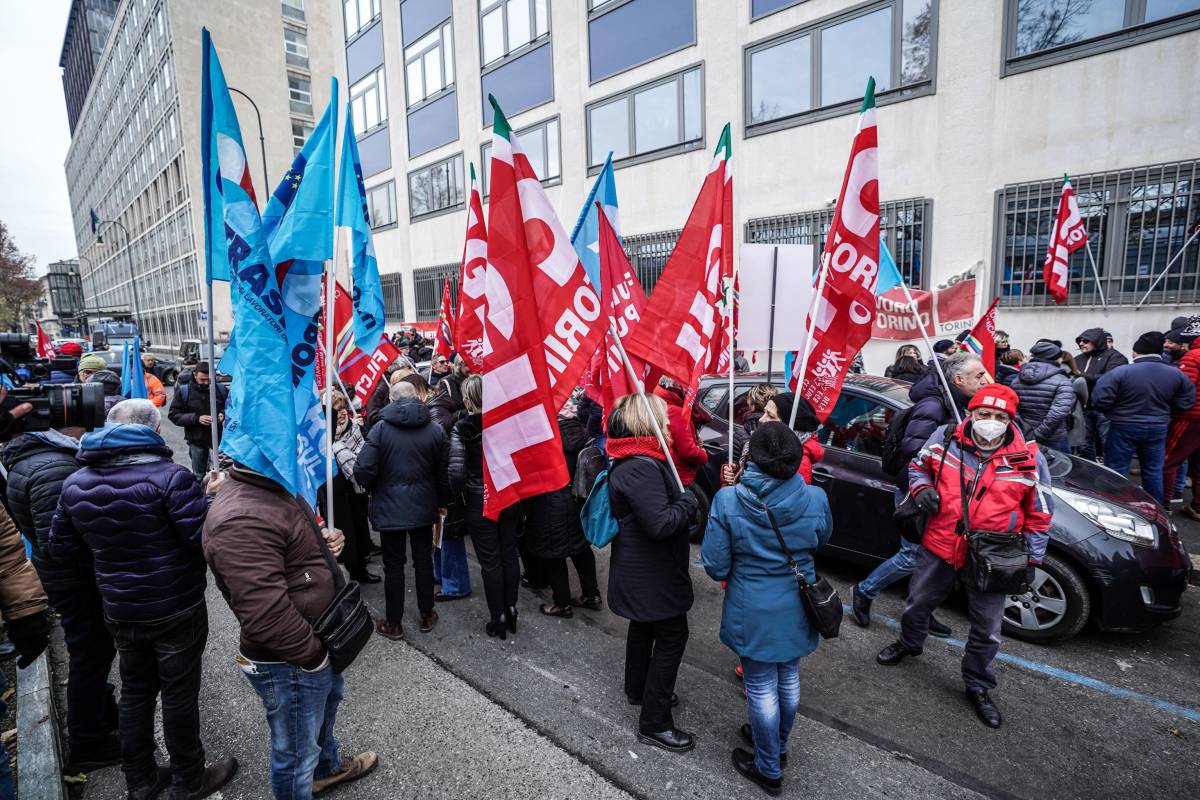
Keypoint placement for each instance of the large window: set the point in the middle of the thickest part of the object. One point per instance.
(291, 8)
(300, 94)
(358, 14)
(368, 102)
(540, 144)
(429, 64)
(623, 35)
(508, 25)
(295, 47)
(428, 283)
(821, 69)
(1137, 222)
(436, 187)
(1043, 32)
(392, 284)
(904, 225)
(300, 133)
(658, 118)
(381, 204)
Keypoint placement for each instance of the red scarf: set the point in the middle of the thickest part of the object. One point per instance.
(634, 446)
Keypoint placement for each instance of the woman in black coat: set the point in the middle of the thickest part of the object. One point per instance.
(649, 579)
(907, 366)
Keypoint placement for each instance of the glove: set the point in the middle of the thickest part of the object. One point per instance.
(29, 635)
(928, 501)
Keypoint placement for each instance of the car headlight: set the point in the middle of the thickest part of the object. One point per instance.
(1114, 520)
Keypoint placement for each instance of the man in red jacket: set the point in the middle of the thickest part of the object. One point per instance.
(1007, 482)
(686, 452)
(1183, 437)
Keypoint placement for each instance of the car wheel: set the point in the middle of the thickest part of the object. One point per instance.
(704, 503)
(170, 377)
(1055, 608)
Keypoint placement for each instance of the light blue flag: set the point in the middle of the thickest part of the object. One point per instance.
(133, 377)
(298, 225)
(585, 238)
(352, 212)
(889, 275)
(260, 423)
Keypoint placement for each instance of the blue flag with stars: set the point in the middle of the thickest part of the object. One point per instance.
(585, 238)
(352, 212)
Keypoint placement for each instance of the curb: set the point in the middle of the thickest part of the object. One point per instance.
(39, 763)
(1194, 577)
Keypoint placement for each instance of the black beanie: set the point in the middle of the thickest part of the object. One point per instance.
(806, 417)
(775, 450)
(1149, 344)
(942, 345)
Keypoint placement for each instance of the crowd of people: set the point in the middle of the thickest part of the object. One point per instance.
(122, 539)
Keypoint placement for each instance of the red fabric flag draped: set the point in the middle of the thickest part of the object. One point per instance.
(543, 324)
(358, 370)
(45, 348)
(843, 315)
(443, 344)
(1069, 234)
(468, 324)
(982, 339)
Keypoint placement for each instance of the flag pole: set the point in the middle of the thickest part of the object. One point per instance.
(1170, 264)
(641, 390)
(912, 306)
(330, 420)
(729, 322)
(812, 324)
(1096, 274)
(214, 421)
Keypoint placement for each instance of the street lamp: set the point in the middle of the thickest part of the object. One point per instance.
(97, 227)
(262, 144)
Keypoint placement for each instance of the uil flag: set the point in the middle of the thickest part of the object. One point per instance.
(468, 324)
(586, 236)
(982, 339)
(260, 426)
(352, 212)
(543, 324)
(844, 312)
(681, 332)
(45, 348)
(1068, 235)
(443, 344)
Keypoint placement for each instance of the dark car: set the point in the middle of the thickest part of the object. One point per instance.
(1114, 556)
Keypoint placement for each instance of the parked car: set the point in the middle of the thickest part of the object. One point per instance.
(192, 352)
(1114, 557)
(166, 369)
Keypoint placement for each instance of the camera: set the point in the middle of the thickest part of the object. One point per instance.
(54, 405)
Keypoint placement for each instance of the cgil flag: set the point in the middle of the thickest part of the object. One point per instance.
(585, 237)
(260, 426)
(133, 377)
(472, 303)
(443, 342)
(981, 341)
(1069, 235)
(352, 212)
(358, 370)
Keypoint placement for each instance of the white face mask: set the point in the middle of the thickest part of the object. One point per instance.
(988, 430)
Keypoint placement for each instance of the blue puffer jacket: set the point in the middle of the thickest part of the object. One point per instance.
(1145, 393)
(1047, 395)
(403, 465)
(763, 617)
(142, 515)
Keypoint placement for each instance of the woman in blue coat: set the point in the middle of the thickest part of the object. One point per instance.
(763, 620)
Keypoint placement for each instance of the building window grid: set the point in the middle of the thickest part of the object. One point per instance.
(499, 37)
(430, 57)
(428, 282)
(368, 102)
(1145, 213)
(690, 121)
(436, 188)
(550, 156)
(300, 94)
(295, 47)
(392, 284)
(359, 15)
(294, 9)
(381, 205)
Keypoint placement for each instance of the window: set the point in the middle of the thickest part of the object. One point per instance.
(300, 94)
(1137, 220)
(436, 187)
(358, 15)
(293, 9)
(659, 116)
(1039, 33)
(856, 424)
(622, 36)
(791, 78)
(903, 224)
(300, 133)
(381, 204)
(428, 283)
(295, 47)
(760, 8)
(540, 143)
(507, 25)
(429, 64)
(648, 254)
(393, 296)
(368, 102)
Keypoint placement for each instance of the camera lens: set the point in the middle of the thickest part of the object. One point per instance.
(76, 405)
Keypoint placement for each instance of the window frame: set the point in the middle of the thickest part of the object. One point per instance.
(485, 147)
(373, 224)
(293, 99)
(784, 7)
(429, 167)
(389, 282)
(301, 59)
(628, 94)
(1129, 34)
(427, 286)
(363, 26)
(297, 147)
(513, 54)
(613, 5)
(381, 104)
(447, 87)
(813, 29)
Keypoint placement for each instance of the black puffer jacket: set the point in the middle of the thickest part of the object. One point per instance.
(930, 411)
(1047, 395)
(445, 407)
(466, 460)
(37, 465)
(552, 527)
(1101, 360)
(403, 466)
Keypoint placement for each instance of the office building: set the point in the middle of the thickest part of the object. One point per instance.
(88, 24)
(60, 309)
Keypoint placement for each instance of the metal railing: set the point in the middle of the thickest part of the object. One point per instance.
(648, 254)
(427, 283)
(392, 284)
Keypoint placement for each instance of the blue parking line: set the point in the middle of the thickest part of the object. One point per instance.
(1066, 675)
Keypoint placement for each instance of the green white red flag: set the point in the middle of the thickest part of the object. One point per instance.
(443, 343)
(468, 325)
(1069, 235)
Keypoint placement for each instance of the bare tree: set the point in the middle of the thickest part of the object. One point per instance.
(1048, 23)
(18, 300)
(917, 36)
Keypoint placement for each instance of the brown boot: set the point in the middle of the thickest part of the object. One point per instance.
(360, 766)
(390, 630)
(216, 775)
(428, 621)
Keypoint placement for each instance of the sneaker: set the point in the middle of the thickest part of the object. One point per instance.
(360, 766)
(216, 775)
(428, 621)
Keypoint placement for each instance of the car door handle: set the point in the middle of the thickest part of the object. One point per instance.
(822, 475)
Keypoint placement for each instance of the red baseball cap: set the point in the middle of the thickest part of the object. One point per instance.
(73, 349)
(997, 396)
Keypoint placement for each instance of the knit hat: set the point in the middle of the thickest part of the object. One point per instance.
(775, 450)
(92, 361)
(997, 396)
(1046, 350)
(1176, 335)
(1149, 343)
(806, 417)
(942, 345)
(72, 349)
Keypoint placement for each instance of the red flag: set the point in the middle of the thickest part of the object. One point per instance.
(543, 324)
(682, 332)
(982, 339)
(443, 344)
(358, 370)
(468, 325)
(45, 348)
(1068, 235)
(843, 315)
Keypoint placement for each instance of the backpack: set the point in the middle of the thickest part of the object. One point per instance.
(892, 457)
(599, 525)
(590, 462)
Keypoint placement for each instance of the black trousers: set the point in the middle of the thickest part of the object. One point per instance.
(91, 705)
(394, 544)
(495, 546)
(653, 652)
(350, 514)
(560, 582)
(164, 656)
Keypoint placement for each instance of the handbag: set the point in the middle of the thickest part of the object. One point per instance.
(910, 518)
(996, 560)
(821, 603)
(345, 625)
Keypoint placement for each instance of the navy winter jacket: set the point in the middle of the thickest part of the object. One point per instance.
(930, 411)
(403, 465)
(1145, 392)
(142, 515)
(1047, 395)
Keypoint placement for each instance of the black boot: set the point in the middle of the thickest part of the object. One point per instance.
(162, 780)
(510, 619)
(672, 739)
(215, 776)
(860, 607)
(94, 754)
(938, 628)
(894, 653)
(748, 735)
(743, 762)
(985, 709)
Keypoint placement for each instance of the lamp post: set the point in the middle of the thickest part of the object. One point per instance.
(262, 144)
(137, 306)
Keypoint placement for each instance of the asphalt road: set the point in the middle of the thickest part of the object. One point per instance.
(455, 714)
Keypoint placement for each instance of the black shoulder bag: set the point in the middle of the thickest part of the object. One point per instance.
(910, 518)
(996, 560)
(822, 605)
(345, 625)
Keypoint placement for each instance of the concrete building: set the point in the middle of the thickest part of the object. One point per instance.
(60, 310)
(88, 25)
(982, 108)
(135, 154)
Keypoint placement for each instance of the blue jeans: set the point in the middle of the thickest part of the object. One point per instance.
(301, 710)
(1181, 479)
(453, 571)
(1097, 434)
(1149, 442)
(896, 568)
(772, 698)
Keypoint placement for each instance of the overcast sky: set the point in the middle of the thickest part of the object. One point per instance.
(34, 136)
